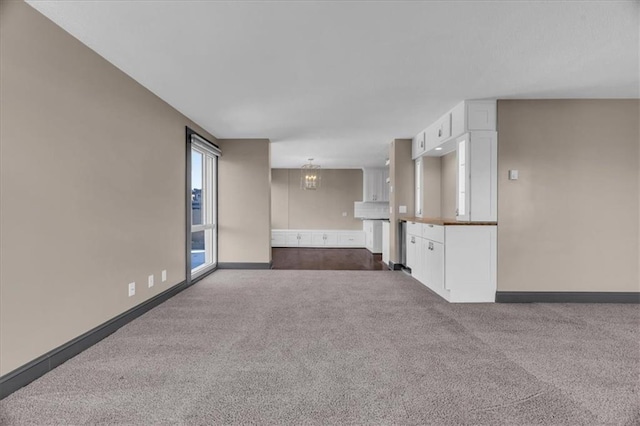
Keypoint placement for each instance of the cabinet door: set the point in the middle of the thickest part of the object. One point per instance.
(418, 145)
(436, 265)
(483, 175)
(481, 115)
(462, 181)
(412, 240)
(278, 239)
(385, 242)
(317, 239)
(305, 239)
(331, 239)
(385, 185)
(443, 129)
(292, 239)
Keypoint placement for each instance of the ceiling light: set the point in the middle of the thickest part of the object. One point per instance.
(310, 176)
(439, 148)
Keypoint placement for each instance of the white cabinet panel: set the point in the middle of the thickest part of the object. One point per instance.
(433, 232)
(418, 187)
(385, 242)
(278, 239)
(412, 250)
(331, 239)
(462, 268)
(351, 239)
(418, 145)
(292, 239)
(481, 115)
(316, 238)
(375, 187)
(414, 228)
(483, 176)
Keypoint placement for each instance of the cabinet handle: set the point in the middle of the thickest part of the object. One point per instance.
(430, 226)
(413, 240)
(439, 132)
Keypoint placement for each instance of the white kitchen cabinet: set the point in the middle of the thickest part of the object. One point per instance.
(373, 235)
(385, 242)
(477, 177)
(457, 262)
(433, 264)
(418, 144)
(351, 239)
(375, 186)
(298, 239)
(324, 239)
(278, 239)
(438, 132)
(315, 238)
(412, 243)
(469, 116)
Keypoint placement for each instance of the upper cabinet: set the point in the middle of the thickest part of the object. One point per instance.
(465, 117)
(418, 145)
(375, 186)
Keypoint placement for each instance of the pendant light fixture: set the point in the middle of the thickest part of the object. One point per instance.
(310, 176)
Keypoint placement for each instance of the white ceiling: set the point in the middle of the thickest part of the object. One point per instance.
(338, 81)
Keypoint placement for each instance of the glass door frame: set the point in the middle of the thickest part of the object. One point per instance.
(192, 136)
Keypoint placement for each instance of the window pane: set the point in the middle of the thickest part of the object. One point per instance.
(196, 188)
(197, 249)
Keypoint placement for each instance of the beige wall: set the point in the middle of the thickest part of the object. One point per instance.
(571, 221)
(244, 206)
(92, 188)
(402, 175)
(431, 187)
(294, 208)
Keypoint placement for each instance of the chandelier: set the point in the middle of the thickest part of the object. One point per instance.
(310, 176)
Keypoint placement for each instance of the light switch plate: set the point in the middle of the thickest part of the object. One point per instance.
(344, 214)
(402, 209)
(132, 289)
(164, 275)
(150, 281)
(513, 175)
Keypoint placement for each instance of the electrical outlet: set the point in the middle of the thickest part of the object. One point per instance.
(150, 281)
(164, 275)
(344, 214)
(132, 289)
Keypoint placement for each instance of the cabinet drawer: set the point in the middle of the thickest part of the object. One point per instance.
(348, 239)
(433, 232)
(414, 228)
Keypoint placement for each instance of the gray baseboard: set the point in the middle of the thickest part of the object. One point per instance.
(24, 375)
(245, 265)
(566, 297)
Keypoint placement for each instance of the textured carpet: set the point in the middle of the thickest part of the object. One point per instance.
(346, 347)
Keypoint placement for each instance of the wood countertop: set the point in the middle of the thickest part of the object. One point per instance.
(445, 221)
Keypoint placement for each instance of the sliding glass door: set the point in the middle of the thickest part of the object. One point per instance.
(203, 211)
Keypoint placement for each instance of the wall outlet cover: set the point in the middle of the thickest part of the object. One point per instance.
(402, 209)
(132, 289)
(513, 175)
(150, 281)
(344, 214)
(164, 275)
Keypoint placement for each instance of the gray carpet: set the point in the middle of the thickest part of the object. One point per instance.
(346, 347)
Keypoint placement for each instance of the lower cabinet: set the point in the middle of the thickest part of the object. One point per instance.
(457, 262)
(317, 238)
(385, 242)
(373, 235)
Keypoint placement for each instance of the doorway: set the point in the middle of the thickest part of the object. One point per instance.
(202, 205)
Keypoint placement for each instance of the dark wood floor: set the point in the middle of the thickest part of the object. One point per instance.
(326, 259)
